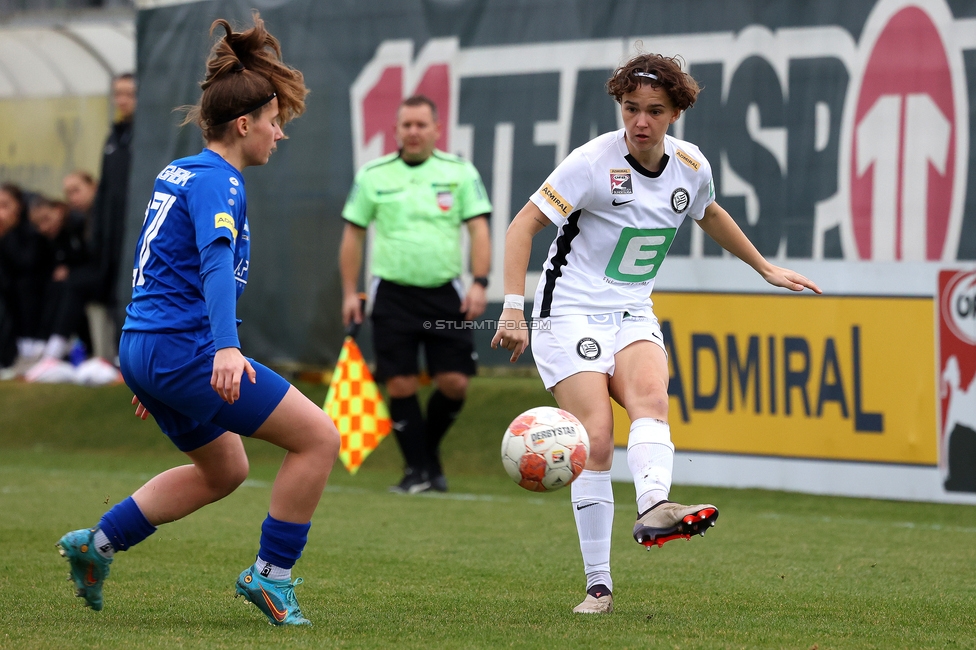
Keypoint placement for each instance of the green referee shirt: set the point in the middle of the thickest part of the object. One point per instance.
(418, 212)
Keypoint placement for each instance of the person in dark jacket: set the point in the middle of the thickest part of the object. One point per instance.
(23, 295)
(11, 207)
(62, 258)
(108, 216)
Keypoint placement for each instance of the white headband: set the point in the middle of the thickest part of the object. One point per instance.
(648, 75)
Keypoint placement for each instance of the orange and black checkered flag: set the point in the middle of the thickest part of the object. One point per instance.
(355, 405)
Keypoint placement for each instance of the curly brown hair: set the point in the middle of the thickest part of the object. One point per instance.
(681, 88)
(245, 70)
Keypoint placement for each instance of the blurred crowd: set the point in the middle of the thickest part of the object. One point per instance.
(59, 266)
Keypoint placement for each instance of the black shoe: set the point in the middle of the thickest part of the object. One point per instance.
(438, 483)
(413, 482)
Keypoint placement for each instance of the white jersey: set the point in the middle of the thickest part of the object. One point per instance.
(616, 222)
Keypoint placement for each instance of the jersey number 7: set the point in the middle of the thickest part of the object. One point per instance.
(159, 207)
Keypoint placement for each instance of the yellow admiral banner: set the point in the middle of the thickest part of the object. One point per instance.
(842, 378)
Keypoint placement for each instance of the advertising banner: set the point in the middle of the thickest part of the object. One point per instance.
(804, 377)
(957, 370)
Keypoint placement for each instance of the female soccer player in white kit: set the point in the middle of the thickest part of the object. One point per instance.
(617, 202)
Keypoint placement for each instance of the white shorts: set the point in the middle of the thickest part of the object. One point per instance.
(565, 345)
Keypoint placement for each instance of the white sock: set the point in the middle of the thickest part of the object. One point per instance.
(103, 546)
(56, 347)
(650, 457)
(270, 571)
(592, 498)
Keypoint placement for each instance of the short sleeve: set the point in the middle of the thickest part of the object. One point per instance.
(706, 192)
(474, 197)
(359, 209)
(216, 203)
(567, 189)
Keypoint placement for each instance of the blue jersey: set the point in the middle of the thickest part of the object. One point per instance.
(195, 201)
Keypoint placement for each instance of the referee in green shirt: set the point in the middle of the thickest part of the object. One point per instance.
(418, 198)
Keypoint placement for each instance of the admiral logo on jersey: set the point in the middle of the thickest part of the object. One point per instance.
(686, 159)
(620, 182)
(556, 201)
(224, 220)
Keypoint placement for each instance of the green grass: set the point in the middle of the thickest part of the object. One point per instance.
(487, 565)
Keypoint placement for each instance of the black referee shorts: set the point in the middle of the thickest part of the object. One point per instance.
(404, 317)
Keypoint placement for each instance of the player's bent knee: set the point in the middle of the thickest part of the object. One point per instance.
(601, 456)
(228, 478)
(322, 439)
(331, 441)
(237, 476)
(601, 450)
(651, 404)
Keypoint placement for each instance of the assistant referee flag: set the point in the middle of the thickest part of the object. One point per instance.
(355, 405)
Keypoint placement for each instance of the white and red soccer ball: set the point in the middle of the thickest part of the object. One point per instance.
(545, 449)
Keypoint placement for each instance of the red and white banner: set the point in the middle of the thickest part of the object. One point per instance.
(957, 379)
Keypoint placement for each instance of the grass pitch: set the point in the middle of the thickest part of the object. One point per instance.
(486, 565)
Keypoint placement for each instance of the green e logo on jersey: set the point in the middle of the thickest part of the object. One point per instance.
(639, 253)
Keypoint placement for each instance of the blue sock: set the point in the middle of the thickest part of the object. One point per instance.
(125, 525)
(282, 542)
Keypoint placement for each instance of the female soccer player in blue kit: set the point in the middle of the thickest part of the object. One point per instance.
(179, 351)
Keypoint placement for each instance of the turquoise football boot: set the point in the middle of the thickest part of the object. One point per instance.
(276, 598)
(88, 568)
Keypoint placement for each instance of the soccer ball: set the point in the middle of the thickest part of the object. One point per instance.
(545, 449)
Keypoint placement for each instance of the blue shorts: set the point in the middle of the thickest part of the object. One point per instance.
(170, 374)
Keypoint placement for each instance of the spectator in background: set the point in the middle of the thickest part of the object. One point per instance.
(108, 216)
(419, 198)
(9, 217)
(19, 253)
(80, 190)
(61, 253)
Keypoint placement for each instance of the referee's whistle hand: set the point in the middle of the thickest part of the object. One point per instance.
(352, 310)
(474, 303)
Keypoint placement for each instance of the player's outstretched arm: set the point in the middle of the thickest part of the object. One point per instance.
(513, 333)
(720, 226)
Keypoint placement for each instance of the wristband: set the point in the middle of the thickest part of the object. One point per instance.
(482, 280)
(514, 301)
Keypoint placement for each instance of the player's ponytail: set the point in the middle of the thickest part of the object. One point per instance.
(244, 73)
